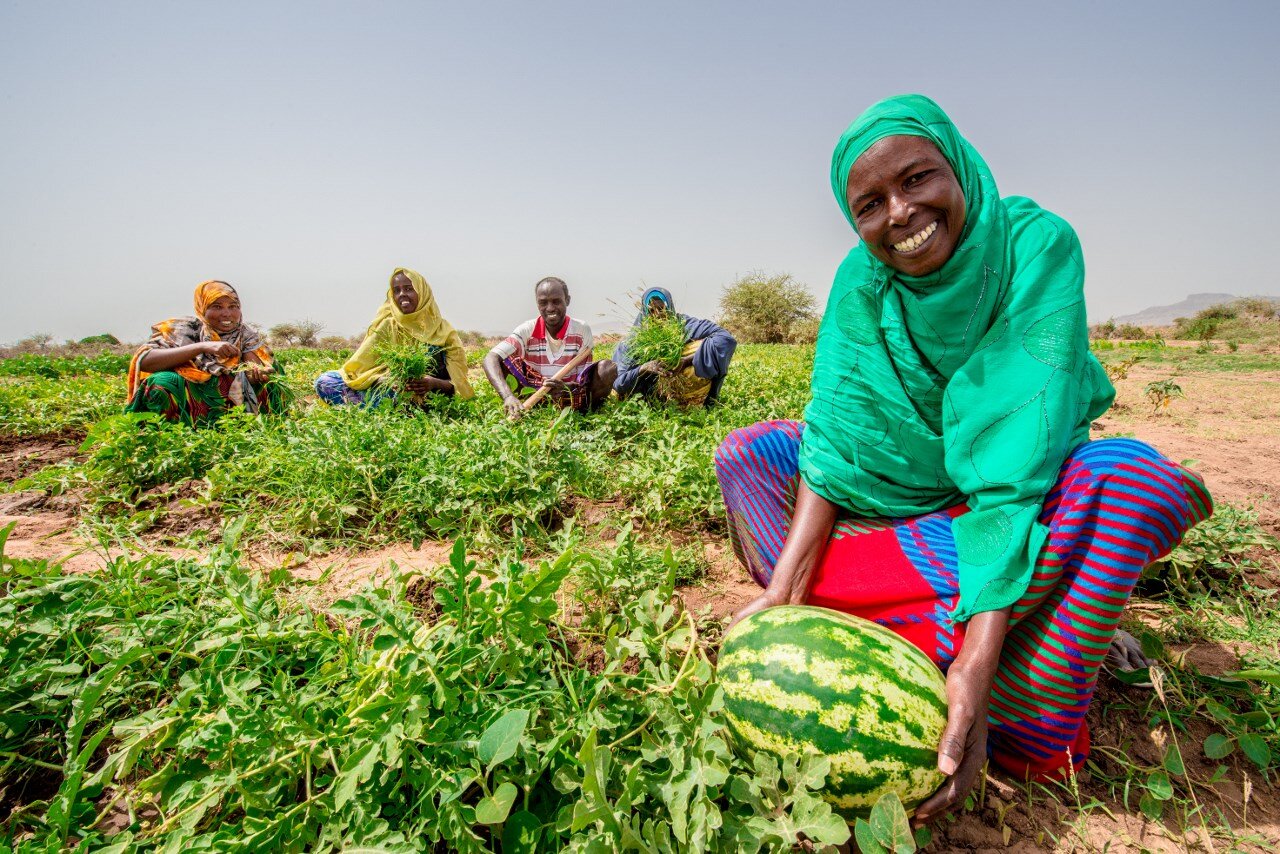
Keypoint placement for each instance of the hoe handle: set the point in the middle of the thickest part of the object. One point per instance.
(539, 394)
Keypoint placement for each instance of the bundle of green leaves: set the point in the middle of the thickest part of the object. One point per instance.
(408, 361)
(659, 338)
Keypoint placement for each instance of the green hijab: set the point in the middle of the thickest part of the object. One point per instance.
(972, 383)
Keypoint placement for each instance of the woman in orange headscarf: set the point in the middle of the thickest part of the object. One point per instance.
(194, 369)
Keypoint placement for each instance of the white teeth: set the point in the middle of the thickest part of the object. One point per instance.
(913, 242)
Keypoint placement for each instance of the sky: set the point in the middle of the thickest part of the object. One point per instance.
(301, 151)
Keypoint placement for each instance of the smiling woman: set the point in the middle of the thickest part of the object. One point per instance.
(943, 483)
(408, 318)
(194, 369)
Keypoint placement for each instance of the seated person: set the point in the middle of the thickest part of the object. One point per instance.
(703, 365)
(194, 369)
(408, 315)
(538, 348)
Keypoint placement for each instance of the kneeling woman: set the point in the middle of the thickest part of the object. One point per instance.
(704, 363)
(943, 483)
(194, 369)
(409, 316)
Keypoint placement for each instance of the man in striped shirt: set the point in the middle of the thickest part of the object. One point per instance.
(530, 357)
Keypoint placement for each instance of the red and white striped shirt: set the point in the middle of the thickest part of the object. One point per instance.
(530, 343)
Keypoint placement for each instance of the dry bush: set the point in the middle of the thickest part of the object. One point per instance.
(763, 309)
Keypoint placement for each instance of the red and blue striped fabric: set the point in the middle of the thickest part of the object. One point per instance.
(1118, 505)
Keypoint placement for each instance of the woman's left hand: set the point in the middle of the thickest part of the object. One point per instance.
(423, 385)
(962, 750)
(256, 373)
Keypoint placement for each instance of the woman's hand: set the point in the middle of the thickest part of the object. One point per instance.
(654, 367)
(220, 349)
(429, 385)
(256, 373)
(962, 750)
(811, 524)
(769, 598)
(515, 409)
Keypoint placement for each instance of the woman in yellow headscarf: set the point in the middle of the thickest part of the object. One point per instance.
(408, 317)
(194, 369)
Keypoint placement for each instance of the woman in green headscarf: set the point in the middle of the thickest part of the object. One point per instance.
(943, 483)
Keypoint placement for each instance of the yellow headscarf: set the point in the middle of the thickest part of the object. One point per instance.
(392, 326)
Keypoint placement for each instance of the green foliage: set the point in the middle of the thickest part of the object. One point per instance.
(1214, 555)
(660, 338)
(1118, 371)
(887, 831)
(56, 367)
(219, 713)
(408, 361)
(1161, 393)
(760, 308)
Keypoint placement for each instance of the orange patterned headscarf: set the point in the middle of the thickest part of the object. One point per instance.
(207, 293)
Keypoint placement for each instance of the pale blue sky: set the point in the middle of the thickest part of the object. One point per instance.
(303, 150)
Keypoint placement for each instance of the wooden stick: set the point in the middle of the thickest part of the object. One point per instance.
(533, 399)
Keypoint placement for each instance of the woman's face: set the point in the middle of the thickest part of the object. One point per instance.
(403, 293)
(907, 204)
(223, 314)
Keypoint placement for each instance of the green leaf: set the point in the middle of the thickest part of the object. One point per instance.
(1268, 675)
(500, 740)
(890, 826)
(1218, 746)
(356, 770)
(1173, 761)
(924, 836)
(1159, 786)
(1150, 807)
(1256, 748)
(867, 842)
(1140, 677)
(520, 833)
(494, 809)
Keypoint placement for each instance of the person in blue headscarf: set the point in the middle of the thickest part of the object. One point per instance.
(704, 362)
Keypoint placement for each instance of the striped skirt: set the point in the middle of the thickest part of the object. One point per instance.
(1118, 505)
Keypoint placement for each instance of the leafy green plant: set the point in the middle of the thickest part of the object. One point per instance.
(1118, 371)
(659, 338)
(1161, 393)
(408, 361)
(213, 709)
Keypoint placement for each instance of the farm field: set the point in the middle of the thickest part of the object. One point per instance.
(408, 630)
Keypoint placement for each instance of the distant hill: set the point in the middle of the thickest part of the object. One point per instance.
(1164, 315)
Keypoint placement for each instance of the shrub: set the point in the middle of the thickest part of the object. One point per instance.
(804, 331)
(302, 333)
(1131, 332)
(762, 309)
(1104, 330)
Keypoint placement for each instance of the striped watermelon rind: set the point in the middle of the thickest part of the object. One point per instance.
(799, 678)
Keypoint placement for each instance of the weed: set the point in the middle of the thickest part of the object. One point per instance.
(1161, 393)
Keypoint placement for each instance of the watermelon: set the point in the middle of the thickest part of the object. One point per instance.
(798, 678)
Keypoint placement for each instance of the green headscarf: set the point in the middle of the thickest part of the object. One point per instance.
(972, 383)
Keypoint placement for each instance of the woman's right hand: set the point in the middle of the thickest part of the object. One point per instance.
(768, 599)
(514, 407)
(220, 349)
(812, 521)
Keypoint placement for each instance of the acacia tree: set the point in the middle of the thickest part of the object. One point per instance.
(302, 333)
(764, 309)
